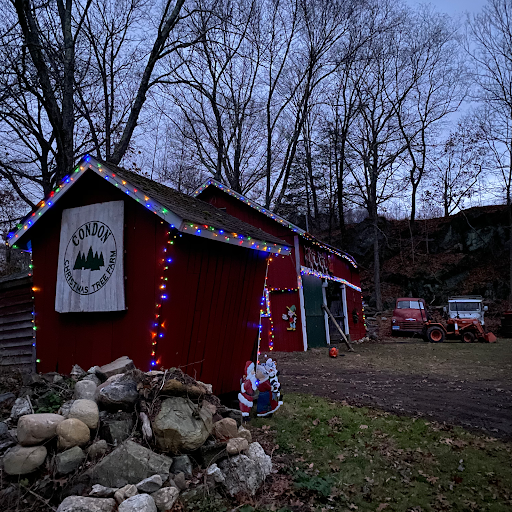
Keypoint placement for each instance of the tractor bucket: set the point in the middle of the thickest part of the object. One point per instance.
(490, 338)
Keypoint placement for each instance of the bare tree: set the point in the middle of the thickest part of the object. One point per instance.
(489, 43)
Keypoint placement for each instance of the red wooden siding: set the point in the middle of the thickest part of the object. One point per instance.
(211, 316)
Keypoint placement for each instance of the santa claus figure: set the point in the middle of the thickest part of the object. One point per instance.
(269, 388)
(247, 389)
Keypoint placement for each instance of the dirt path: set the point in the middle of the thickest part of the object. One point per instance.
(474, 402)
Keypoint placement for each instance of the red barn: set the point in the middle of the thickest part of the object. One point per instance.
(125, 266)
(296, 287)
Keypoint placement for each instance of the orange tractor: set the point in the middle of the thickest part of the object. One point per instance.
(468, 329)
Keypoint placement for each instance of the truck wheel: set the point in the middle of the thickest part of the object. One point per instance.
(435, 334)
(468, 337)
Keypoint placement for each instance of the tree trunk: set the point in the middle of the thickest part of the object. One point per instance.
(376, 265)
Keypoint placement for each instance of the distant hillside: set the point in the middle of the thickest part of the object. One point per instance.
(464, 254)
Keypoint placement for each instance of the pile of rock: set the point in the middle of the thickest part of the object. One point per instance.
(135, 441)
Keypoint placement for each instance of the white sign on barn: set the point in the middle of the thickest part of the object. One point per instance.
(90, 274)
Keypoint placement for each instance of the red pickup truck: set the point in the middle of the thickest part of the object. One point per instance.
(409, 315)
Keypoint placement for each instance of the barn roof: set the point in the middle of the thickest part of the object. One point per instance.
(185, 213)
(276, 218)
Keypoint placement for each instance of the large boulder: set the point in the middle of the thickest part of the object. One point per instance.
(81, 504)
(36, 428)
(21, 460)
(119, 394)
(225, 429)
(86, 411)
(181, 426)
(72, 432)
(85, 389)
(66, 462)
(138, 503)
(120, 365)
(129, 464)
(241, 474)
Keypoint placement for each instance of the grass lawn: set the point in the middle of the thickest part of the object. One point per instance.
(332, 456)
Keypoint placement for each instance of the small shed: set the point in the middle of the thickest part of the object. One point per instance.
(297, 287)
(126, 266)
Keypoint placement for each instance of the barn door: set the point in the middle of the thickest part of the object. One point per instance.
(337, 304)
(315, 319)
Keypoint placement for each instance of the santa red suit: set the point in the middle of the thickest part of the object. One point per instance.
(246, 395)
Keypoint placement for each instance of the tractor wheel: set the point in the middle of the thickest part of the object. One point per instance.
(435, 334)
(468, 337)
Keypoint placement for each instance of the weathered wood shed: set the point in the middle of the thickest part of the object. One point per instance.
(125, 266)
(296, 287)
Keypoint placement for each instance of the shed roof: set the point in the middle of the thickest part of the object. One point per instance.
(265, 211)
(185, 213)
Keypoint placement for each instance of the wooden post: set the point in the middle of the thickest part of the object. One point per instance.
(325, 308)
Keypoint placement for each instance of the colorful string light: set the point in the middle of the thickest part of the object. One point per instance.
(158, 330)
(311, 272)
(276, 218)
(163, 212)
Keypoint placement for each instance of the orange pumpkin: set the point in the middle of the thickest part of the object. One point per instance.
(333, 352)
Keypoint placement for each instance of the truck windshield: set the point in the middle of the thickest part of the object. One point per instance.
(409, 304)
(464, 306)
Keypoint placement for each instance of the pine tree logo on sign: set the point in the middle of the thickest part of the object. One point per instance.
(90, 257)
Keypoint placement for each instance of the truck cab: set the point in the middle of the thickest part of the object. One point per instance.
(466, 307)
(409, 315)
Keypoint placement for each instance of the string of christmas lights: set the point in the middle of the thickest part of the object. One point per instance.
(275, 217)
(311, 272)
(159, 330)
(158, 209)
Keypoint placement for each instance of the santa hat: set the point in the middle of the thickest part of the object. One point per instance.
(249, 368)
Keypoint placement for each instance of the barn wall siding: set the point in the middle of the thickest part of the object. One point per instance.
(16, 327)
(210, 317)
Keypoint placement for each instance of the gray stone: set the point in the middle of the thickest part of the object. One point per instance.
(93, 378)
(6, 440)
(76, 372)
(93, 369)
(241, 475)
(33, 379)
(97, 449)
(86, 411)
(258, 455)
(100, 491)
(165, 498)
(57, 378)
(66, 462)
(237, 445)
(125, 492)
(129, 464)
(85, 389)
(7, 399)
(82, 504)
(181, 426)
(182, 464)
(115, 428)
(4, 430)
(21, 460)
(180, 481)
(225, 412)
(34, 429)
(120, 394)
(213, 452)
(120, 365)
(215, 475)
(150, 484)
(65, 408)
(20, 408)
(138, 503)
